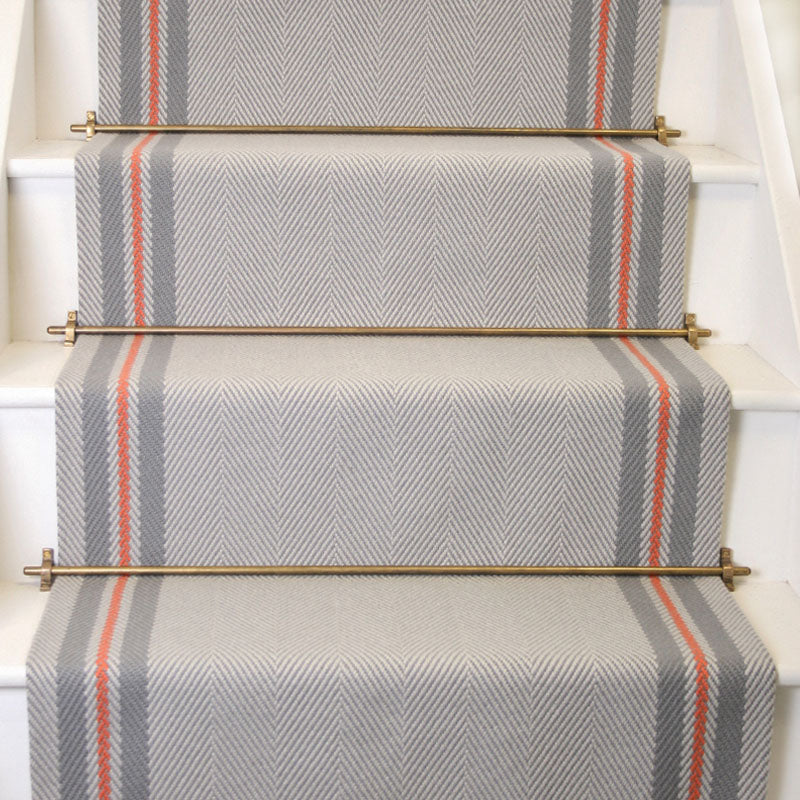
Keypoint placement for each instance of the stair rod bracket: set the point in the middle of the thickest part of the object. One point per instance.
(659, 131)
(48, 571)
(72, 330)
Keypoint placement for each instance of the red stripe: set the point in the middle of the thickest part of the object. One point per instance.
(123, 454)
(662, 443)
(626, 237)
(101, 684)
(138, 230)
(154, 62)
(701, 691)
(657, 516)
(602, 62)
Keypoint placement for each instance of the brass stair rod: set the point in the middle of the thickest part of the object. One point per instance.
(47, 571)
(658, 131)
(72, 329)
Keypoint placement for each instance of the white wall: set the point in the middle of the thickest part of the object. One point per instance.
(782, 18)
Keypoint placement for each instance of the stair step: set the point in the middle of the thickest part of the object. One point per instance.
(43, 239)
(398, 687)
(772, 608)
(759, 523)
(55, 158)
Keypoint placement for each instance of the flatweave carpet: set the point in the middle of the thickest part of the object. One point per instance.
(402, 687)
(559, 63)
(399, 231)
(336, 450)
(223, 450)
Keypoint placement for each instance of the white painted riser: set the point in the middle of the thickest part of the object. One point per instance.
(43, 255)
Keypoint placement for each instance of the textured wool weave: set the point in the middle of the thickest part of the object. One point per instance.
(559, 63)
(230, 450)
(405, 687)
(325, 230)
(226, 450)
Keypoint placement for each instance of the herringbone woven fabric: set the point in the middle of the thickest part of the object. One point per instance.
(356, 688)
(558, 63)
(323, 230)
(326, 450)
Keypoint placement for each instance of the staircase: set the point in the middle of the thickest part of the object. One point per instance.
(715, 82)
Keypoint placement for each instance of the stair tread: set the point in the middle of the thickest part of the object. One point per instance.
(772, 607)
(55, 158)
(28, 372)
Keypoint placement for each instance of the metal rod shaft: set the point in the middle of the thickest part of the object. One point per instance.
(376, 569)
(404, 130)
(48, 570)
(278, 330)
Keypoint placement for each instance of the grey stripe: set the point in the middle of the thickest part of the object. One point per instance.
(162, 196)
(624, 63)
(630, 516)
(578, 69)
(688, 448)
(649, 270)
(131, 61)
(177, 101)
(95, 425)
(153, 479)
(134, 701)
(599, 309)
(731, 692)
(671, 689)
(73, 745)
(112, 229)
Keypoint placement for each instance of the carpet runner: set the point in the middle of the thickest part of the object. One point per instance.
(349, 450)
(401, 687)
(226, 450)
(504, 63)
(326, 230)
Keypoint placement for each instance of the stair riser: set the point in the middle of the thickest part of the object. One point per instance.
(389, 451)
(267, 230)
(43, 246)
(758, 521)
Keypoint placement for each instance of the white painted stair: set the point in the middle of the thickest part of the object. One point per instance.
(716, 83)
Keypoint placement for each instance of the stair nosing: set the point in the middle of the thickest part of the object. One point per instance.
(754, 597)
(39, 391)
(30, 163)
